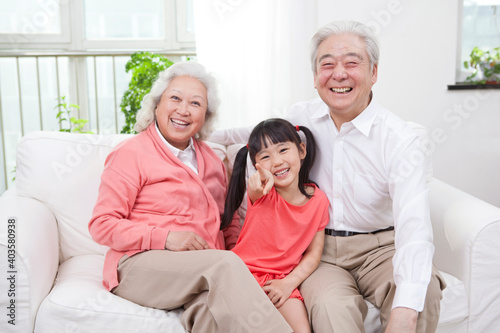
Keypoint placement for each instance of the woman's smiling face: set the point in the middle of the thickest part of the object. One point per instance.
(344, 77)
(180, 114)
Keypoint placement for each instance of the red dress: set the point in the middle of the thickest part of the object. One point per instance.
(276, 234)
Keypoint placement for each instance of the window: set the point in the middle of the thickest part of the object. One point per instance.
(480, 27)
(125, 24)
(24, 22)
(134, 20)
(78, 49)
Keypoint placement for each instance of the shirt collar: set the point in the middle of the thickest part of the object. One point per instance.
(364, 121)
(321, 111)
(174, 150)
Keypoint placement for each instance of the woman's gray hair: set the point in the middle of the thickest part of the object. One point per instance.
(342, 28)
(146, 114)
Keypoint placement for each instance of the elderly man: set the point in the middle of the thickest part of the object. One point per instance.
(378, 244)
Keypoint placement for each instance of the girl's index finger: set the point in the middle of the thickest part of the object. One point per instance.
(262, 172)
(266, 178)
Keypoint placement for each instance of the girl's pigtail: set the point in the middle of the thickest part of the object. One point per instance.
(308, 161)
(237, 187)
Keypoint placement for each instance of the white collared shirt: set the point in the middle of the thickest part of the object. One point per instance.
(187, 156)
(375, 175)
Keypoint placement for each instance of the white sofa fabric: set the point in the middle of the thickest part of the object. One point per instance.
(59, 267)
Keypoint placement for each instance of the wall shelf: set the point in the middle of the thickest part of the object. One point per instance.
(471, 86)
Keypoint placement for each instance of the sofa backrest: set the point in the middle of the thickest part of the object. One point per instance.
(62, 170)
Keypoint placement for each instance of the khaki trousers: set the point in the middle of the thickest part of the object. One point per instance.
(215, 288)
(355, 268)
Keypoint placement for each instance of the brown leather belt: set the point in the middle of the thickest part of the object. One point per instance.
(345, 233)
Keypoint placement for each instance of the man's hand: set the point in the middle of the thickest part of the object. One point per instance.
(185, 241)
(402, 320)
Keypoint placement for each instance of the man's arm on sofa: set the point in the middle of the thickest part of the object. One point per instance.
(467, 241)
(35, 240)
(231, 136)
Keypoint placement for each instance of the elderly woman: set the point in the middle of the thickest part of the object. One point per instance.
(160, 200)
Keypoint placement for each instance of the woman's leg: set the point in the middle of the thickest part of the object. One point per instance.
(294, 311)
(215, 287)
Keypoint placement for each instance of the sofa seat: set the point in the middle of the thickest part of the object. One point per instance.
(79, 303)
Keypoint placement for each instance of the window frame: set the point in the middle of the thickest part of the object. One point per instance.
(31, 41)
(72, 37)
(462, 73)
(183, 35)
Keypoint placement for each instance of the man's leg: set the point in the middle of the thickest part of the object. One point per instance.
(375, 276)
(331, 296)
(215, 287)
(376, 282)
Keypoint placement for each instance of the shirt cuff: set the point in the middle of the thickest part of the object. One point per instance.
(158, 238)
(410, 296)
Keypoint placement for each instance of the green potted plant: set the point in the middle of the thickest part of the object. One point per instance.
(64, 116)
(486, 65)
(145, 68)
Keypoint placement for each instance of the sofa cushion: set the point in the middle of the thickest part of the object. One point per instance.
(455, 303)
(79, 303)
(63, 171)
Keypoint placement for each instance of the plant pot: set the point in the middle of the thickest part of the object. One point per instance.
(489, 71)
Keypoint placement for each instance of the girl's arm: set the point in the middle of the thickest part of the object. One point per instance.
(279, 291)
(260, 183)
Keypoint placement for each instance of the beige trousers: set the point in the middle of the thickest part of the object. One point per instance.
(357, 267)
(215, 288)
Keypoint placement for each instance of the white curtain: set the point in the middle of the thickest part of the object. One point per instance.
(259, 52)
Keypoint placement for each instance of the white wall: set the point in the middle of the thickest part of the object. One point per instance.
(418, 42)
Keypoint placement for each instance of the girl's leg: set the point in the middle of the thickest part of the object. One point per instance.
(294, 312)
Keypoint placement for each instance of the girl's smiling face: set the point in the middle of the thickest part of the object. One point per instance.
(283, 160)
(180, 114)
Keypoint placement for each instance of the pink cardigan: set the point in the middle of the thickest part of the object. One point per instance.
(146, 192)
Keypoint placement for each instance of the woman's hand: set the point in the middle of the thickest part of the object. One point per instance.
(185, 241)
(278, 291)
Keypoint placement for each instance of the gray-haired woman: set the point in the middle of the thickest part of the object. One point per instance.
(160, 200)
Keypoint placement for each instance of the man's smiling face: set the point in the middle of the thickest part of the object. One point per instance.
(344, 78)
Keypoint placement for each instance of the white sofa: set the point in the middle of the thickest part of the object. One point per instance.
(58, 267)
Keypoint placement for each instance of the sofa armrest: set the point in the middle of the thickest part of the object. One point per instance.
(466, 236)
(37, 252)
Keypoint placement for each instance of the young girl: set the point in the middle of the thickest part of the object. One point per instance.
(281, 240)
